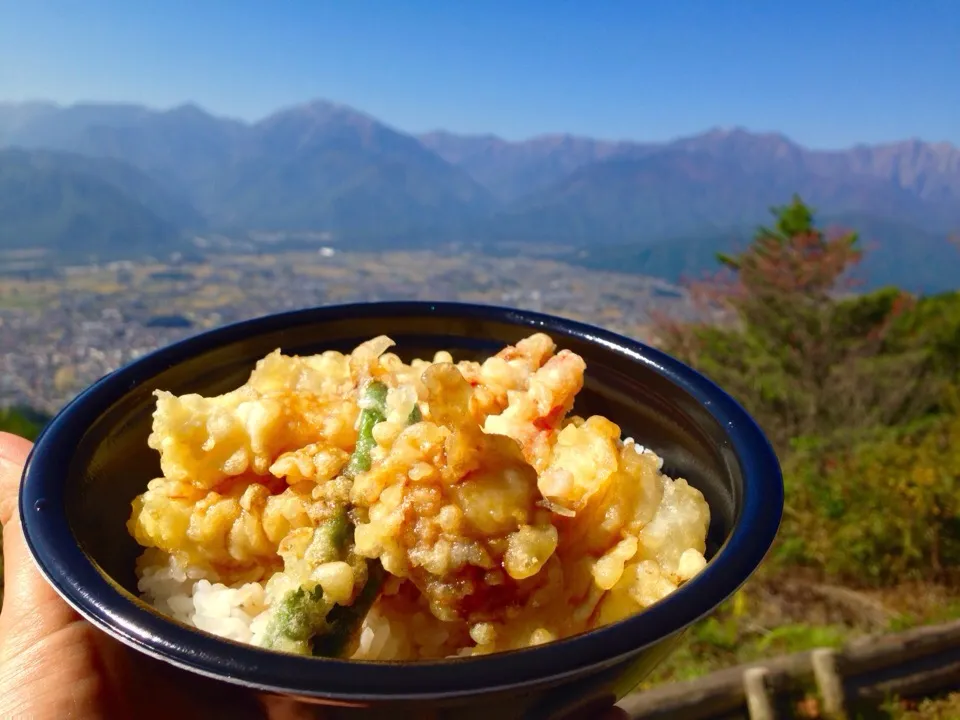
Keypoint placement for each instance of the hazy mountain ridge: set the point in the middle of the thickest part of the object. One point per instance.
(513, 170)
(321, 166)
(324, 166)
(930, 170)
(81, 208)
(318, 166)
(681, 190)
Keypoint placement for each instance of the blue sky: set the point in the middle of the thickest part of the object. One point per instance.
(826, 73)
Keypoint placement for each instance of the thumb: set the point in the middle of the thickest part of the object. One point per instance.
(13, 456)
(31, 608)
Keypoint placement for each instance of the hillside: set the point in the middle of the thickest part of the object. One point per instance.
(318, 166)
(323, 167)
(78, 208)
(167, 203)
(326, 167)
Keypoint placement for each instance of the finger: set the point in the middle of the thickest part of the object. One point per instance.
(25, 587)
(13, 456)
(32, 610)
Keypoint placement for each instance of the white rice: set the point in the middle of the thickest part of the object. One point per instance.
(239, 612)
(188, 596)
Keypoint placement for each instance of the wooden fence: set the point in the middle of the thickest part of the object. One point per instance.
(918, 662)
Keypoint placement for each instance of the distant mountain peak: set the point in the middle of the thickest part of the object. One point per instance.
(323, 107)
(726, 131)
(564, 139)
(322, 112)
(187, 109)
(739, 132)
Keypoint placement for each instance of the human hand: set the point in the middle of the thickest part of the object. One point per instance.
(54, 664)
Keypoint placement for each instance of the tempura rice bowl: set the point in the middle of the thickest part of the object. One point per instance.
(93, 462)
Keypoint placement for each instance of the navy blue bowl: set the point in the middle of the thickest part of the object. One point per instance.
(93, 459)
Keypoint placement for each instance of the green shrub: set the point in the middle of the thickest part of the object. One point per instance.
(879, 512)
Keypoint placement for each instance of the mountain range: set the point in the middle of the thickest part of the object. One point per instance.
(114, 180)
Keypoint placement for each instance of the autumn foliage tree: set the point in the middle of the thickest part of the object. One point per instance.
(858, 393)
(782, 332)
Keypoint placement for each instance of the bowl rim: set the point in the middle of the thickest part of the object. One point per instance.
(77, 579)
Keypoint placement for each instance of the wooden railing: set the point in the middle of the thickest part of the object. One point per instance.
(918, 662)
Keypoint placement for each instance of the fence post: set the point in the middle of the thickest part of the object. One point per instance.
(759, 704)
(829, 682)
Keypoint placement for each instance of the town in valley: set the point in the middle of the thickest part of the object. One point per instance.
(61, 330)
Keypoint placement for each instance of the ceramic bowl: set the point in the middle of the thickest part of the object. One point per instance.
(92, 460)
